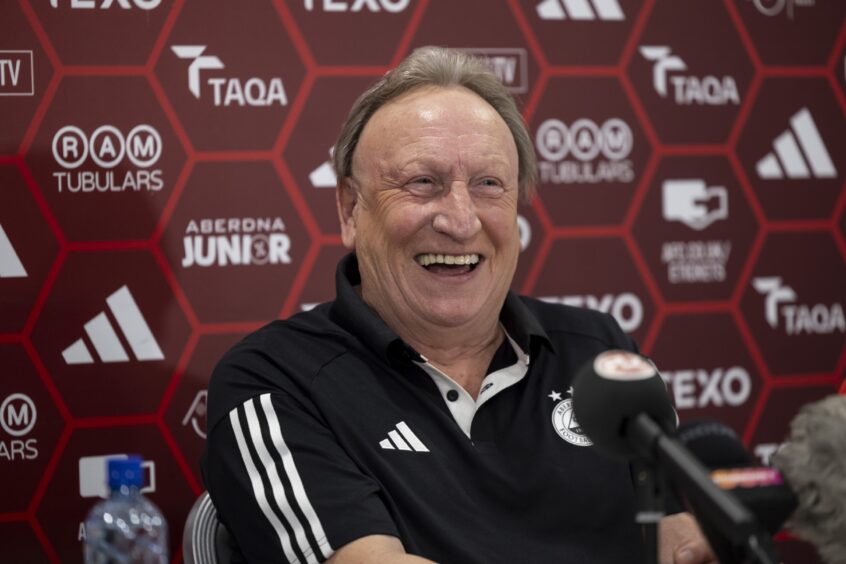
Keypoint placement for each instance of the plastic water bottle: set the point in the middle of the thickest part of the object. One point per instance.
(126, 527)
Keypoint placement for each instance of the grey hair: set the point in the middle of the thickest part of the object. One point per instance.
(813, 461)
(439, 66)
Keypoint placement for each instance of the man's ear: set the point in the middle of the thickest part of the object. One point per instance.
(347, 200)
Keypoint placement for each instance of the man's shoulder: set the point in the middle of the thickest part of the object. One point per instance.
(561, 320)
(283, 356)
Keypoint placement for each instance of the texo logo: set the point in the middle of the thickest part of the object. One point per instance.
(798, 318)
(17, 76)
(106, 4)
(703, 388)
(626, 308)
(585, 141)
(196, 415)
(580, 10)
(229, 91)
(392, 6)
(687, 89)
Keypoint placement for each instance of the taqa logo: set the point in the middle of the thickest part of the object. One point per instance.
(510, 65)
(17, 76)
(106, 4)
(107, 147)
(787, 160)
(236, 241)
(228, 91)
(705, 388)
(765, 452)
(597, 153)
(391, 6)
(687, 89)
(17, 418)
(580, 10)
(781, 310)
(626, 308)
(10, 264)
(196, 415)
(776, 7)
(105, 339)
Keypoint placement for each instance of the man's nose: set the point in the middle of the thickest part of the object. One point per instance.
(456, 215)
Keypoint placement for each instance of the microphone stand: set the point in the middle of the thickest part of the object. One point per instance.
(731, 529)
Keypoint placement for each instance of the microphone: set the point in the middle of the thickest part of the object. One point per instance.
(762, 489)
(608, 395)
(621, 403)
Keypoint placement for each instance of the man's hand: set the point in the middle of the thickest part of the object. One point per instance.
(680, 541)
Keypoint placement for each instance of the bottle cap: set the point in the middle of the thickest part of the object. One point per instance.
(125, 472)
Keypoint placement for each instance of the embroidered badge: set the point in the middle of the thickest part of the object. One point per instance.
(564, 421)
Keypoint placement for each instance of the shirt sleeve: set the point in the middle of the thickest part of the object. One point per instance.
(284, 487)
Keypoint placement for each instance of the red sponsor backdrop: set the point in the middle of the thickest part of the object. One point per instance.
(165, 189)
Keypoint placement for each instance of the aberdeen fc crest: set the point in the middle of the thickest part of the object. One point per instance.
(564, 421)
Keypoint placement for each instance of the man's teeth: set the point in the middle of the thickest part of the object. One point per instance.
(431, 258)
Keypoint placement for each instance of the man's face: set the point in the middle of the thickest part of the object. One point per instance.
(431, 210)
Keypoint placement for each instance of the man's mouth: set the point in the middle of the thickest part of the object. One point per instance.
(448, 264)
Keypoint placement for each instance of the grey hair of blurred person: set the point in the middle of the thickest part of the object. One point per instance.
(814, 462)
(439, 67)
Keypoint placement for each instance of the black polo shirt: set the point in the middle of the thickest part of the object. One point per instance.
(327, 427)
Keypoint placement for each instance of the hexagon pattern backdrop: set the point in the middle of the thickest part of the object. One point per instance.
(165, 189)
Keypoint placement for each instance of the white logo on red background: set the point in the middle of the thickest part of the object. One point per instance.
(10, 264)
(692, 202)
(781, 309)
(597, 153)
(687, 89)
(196, 414)
(105, 340)
(17, 73)
(234, 241)
(509, 64)
(17, 419)
(324, 175)
(626, 307)
(698, 388)
(93, 473)
(106, 4)
(391, 6)
(229, 91)
(107, 147)
(582, 10)
(776, 7)
(799, 152)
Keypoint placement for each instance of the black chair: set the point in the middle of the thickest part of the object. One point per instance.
(204, 539)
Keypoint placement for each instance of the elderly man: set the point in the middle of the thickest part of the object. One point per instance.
(424, 414)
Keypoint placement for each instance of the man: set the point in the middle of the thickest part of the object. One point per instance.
(424, 414)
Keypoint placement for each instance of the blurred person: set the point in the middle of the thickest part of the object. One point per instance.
(424, 414)
(813, 460)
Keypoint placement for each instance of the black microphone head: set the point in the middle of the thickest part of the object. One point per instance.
(612, 389)
(714, 444)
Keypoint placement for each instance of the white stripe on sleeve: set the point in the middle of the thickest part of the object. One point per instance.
(294, 477)
(275, 483)
(258, 489)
